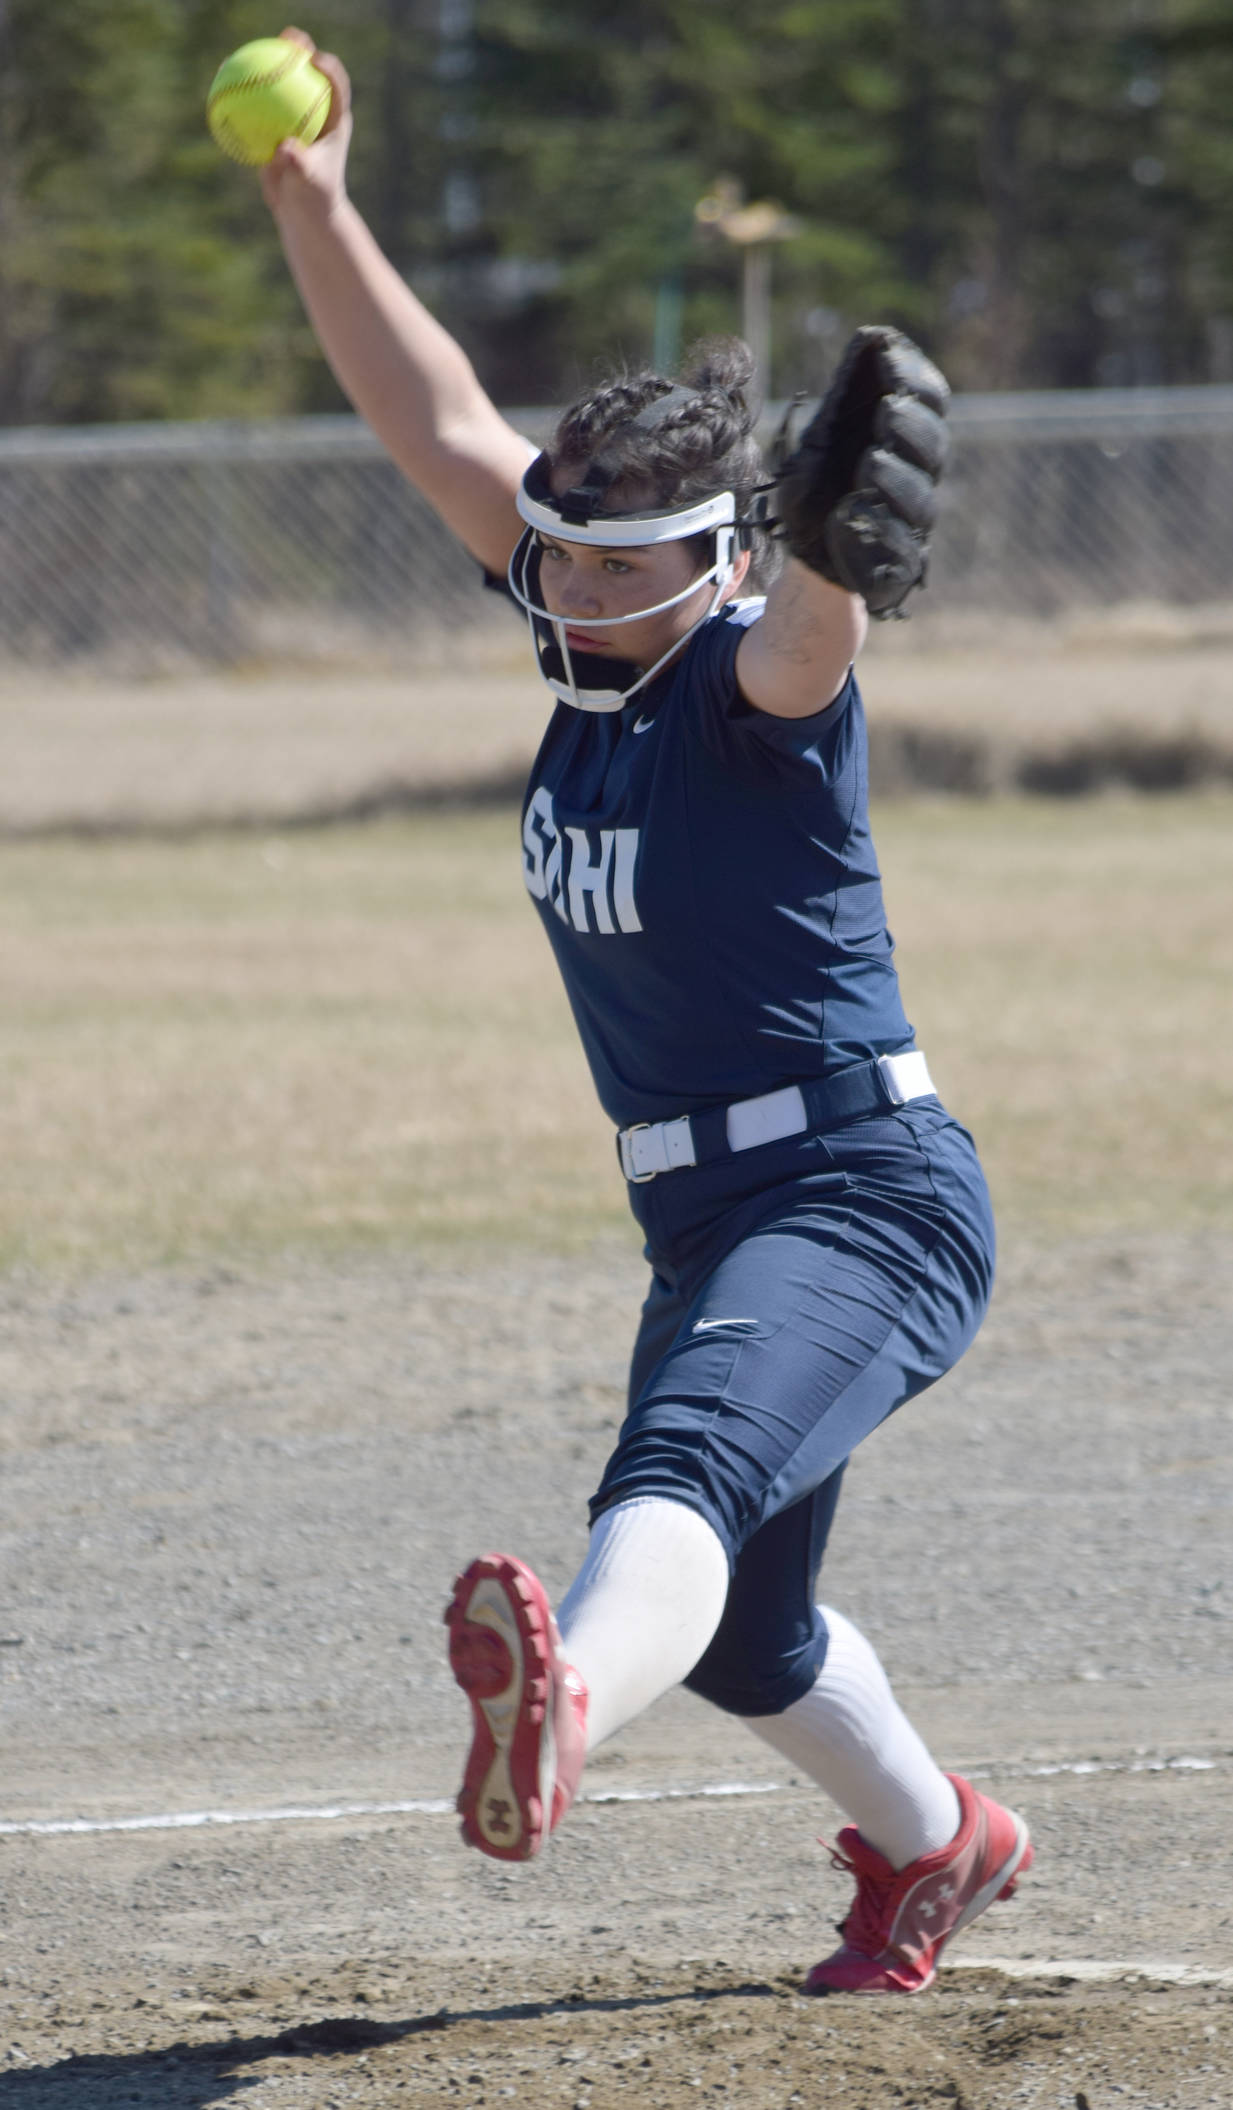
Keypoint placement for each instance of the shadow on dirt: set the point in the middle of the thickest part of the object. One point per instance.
(182, 2076)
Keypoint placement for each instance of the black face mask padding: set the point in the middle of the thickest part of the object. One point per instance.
(590, 670)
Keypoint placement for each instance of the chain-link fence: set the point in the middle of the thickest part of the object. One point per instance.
(223, 542)
(1088, 498)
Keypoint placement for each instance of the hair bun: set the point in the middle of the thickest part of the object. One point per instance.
(724, 366)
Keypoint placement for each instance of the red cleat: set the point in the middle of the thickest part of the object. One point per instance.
(529, 1708)
(901, 1919)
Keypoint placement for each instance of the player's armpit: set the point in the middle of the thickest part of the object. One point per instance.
(794, 660)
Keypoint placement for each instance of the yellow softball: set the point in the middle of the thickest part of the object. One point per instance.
(266, 92)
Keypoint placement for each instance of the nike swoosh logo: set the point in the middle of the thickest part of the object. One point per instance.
(643, 725)
(714, 1325)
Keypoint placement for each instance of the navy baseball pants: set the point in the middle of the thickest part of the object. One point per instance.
(801, 1293)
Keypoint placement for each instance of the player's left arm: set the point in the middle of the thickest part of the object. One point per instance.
(794, 660)
(855, 504)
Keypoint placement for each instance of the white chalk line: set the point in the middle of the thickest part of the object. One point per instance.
(195, 1820)
(1109, 1765)
(1091, 1970)
(325, 1813)
(441, 1806)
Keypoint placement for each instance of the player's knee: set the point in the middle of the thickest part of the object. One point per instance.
(748, 1672)
(737, 1689)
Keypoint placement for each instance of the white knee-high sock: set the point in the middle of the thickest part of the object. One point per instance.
(642, 1607)
(849, 1734)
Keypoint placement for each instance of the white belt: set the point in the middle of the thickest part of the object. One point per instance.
(652, 1147)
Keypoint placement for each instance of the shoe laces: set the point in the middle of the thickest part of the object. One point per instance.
(864, 1929)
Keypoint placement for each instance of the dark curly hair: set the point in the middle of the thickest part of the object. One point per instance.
(704, 443)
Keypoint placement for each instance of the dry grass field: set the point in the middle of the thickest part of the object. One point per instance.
(235, 1023)
(272, 745)
(241, 1044)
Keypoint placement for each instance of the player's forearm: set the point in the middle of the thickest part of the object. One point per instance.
(403, 372)
(795, 659)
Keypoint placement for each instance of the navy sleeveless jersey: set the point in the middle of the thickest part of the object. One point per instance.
(707, 881)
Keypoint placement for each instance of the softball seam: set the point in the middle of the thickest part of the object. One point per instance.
(216, 107)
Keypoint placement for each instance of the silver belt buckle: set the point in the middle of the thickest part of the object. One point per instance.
(905, 1077)
(636, 1179)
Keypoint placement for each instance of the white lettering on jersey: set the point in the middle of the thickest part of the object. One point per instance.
(569, 872)
(623, 889)
(542, 864)
(586, 878)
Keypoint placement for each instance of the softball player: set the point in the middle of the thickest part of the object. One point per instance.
(696, 843)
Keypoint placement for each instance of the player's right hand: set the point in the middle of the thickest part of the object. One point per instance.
(313, 178)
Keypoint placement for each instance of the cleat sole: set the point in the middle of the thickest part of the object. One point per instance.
(500, 1654)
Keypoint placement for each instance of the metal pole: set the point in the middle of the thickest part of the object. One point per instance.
(756, 279)
(669, 307)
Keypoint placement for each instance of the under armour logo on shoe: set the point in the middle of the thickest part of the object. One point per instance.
(498, 1814)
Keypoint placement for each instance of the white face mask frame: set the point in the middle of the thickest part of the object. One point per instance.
(557, 521)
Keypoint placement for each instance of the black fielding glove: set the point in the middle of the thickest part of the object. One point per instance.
(857, 497)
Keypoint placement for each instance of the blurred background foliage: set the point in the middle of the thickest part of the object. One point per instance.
(1041, 191)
